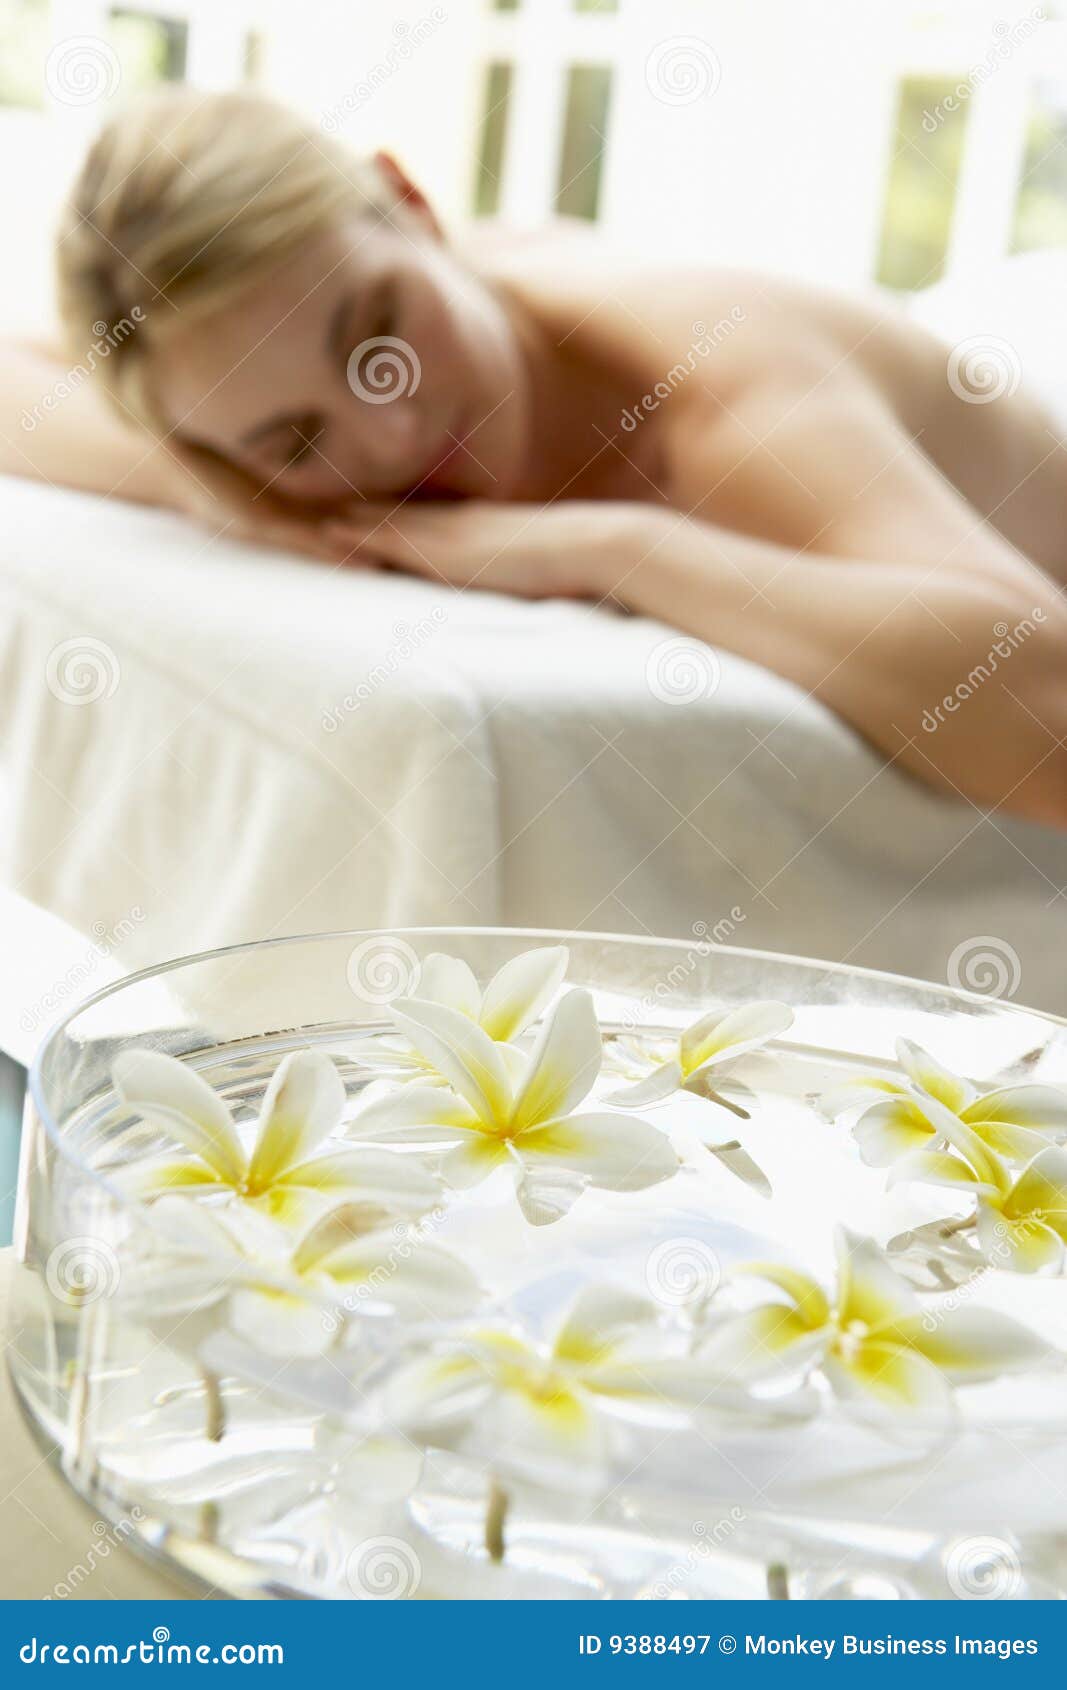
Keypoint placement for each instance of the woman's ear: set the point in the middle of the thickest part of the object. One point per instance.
(407, 193)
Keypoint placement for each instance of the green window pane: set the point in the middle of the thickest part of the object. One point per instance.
(150, 49)
(1041, 209)
(493, 139)
(25, 39)
(506, 5)
(923, 174)
(595, 5)
(584, 129)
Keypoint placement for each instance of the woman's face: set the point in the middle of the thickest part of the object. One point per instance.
(371, 364)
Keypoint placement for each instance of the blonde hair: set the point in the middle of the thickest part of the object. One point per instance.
(185, 200)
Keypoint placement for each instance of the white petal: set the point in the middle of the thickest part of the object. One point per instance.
(728, 1033)
(656, 1087)
(334, 1231)
(564, 1064)
(602, 1320)
(768, 1342)
(460, 1051)
(301, 1107)
(1041, 1108)
(545, 1194)
(1041, 1190)
(449, 980)
(372, 1470)
(886, 1382)
(519, 991)
(889, 1130)
(167, 1094)
(413, 1115)
(737, 1161)
(156, 1176)
(856, 1093)
(414, 1277)
(282, 1323)
(473, 1159)
(932, 1077)
(868, 1288)
(1018, 1246)
(396, 1180)
(973, 1344)
(938, 1167)
(618, 1152)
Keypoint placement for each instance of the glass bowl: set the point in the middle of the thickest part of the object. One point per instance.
(538, 1381)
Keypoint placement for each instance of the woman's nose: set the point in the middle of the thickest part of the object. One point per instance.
(387, 433)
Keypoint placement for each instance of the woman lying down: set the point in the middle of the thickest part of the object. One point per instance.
(300, 355)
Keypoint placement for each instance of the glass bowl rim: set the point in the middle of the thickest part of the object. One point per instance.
(35, 1081)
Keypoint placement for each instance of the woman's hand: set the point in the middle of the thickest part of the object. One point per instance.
(571, 549)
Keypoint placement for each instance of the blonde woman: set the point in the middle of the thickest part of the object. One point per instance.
(301, 355)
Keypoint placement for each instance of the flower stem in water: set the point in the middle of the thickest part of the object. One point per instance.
(496, 1514)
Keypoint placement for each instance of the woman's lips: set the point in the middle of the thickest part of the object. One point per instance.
(438, 474)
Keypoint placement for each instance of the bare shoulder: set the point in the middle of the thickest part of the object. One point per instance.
(768, 332)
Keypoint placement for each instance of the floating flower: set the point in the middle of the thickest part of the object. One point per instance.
(878, 1347)
(1014, 1121)
(1020, 1219)
(301, 1108)
(540, 1407)
(510, 1003)
(507, 1108)
(703, 1053)
(295, 1300)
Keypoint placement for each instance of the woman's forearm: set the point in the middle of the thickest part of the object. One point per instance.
(55, 427)
(958, 676)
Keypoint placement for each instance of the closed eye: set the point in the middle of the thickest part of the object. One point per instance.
(298, 445)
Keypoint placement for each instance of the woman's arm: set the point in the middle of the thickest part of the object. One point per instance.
(955, 670)
(55, 427)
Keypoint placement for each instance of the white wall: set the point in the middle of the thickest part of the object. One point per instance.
(774, 155)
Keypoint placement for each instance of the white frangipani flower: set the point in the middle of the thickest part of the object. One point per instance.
(294, 1300)
(1020, 1218)
(285, 1171)
(538, 1408)
(1012, 1121)
(510, 1003)
(882, 1351)
(506, 1108)
(703, 1053)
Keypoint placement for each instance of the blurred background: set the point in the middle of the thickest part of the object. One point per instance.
(851, 141)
